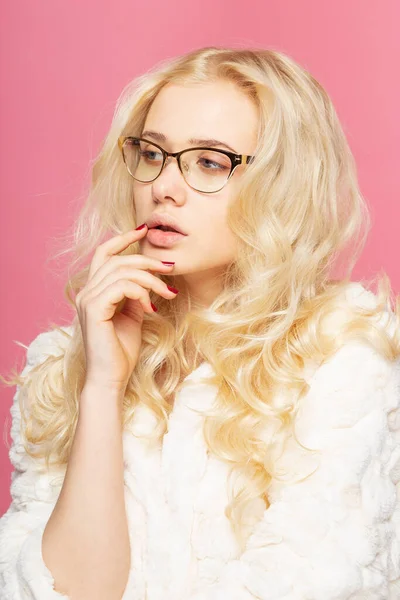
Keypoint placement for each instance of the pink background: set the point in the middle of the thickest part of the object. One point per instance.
(63, 66)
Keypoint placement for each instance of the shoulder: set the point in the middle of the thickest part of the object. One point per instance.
(353, 382)
(52, 342)
(352, 300)
(357, 294)
(356, 383)
(356, 356)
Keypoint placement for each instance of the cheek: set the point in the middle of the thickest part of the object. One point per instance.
(213, 236)
(213, 222)
(141, 195)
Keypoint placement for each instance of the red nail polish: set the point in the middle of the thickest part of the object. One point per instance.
(154, 307)
(173, 289)
(165, 262)
(141, 226)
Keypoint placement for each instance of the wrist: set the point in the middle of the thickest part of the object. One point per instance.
(95, 389)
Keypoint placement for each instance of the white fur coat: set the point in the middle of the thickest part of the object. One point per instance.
(335, 536)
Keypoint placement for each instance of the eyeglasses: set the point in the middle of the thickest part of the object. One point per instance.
(205, 170)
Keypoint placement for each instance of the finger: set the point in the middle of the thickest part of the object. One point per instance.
(114, 245)
(143, 278)
(137, 261)
(103, 306)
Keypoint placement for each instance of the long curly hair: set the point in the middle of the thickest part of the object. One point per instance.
(299, 211)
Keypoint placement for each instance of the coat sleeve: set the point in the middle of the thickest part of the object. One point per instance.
(335, 535)
(34, 492)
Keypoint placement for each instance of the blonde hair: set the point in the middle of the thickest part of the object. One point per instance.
(298, 210)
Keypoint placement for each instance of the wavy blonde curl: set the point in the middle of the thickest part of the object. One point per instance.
(298, 210)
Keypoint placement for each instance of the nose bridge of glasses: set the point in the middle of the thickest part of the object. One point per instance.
(169, 157)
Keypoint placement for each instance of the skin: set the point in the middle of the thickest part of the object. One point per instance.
(198, 111)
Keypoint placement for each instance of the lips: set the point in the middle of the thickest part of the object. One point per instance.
(165, 228)
(164, 239)
(164, 220)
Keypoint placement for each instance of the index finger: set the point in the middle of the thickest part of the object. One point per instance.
(113, 246)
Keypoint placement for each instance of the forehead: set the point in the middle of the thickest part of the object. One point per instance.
(214, 110)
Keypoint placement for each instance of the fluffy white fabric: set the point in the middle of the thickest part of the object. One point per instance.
(23, 573)
(333, 536)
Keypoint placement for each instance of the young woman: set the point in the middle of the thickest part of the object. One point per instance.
(239, 439)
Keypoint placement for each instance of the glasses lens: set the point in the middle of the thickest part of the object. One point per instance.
(204, 170)
(142, 159)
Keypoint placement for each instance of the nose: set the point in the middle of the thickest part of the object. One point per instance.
(168, 160)
(170, 183)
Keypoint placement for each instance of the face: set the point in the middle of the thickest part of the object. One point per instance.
(219, 111)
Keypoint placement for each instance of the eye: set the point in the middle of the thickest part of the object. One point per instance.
(150, 155)
(206, 163)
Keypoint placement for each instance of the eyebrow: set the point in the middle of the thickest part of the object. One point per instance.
(210, 142)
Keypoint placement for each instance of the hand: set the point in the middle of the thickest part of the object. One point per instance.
(113, 338)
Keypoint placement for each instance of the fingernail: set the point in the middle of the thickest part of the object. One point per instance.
(154, 307)
(173, 289)
(165, 262)
(140, 226)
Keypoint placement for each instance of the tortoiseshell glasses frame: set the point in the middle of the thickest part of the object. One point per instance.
(236, 159)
